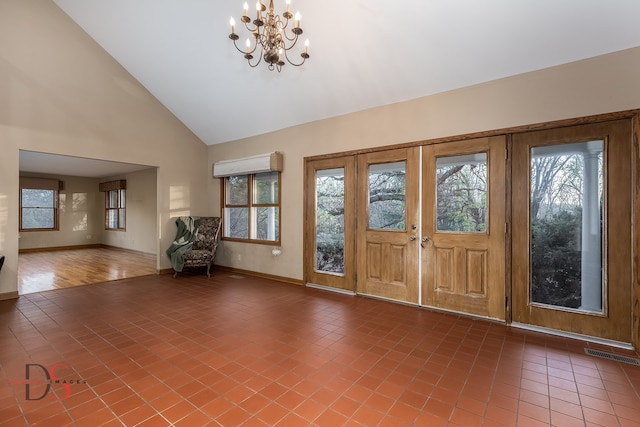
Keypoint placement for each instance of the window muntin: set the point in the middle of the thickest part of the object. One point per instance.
(38, 209)
(252, 207)
(115, 209)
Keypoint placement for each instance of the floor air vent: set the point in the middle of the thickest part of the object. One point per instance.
(237, 276)
(611, 356)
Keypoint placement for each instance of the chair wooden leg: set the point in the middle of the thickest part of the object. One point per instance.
(208, 268)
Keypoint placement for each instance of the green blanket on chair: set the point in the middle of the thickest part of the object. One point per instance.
(186, 235)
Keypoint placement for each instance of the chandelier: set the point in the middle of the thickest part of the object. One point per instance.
(272, 41)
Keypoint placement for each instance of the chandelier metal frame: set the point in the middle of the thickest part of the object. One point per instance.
(270, 34)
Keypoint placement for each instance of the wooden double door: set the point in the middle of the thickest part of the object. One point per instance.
(427, 225)
(534, 228)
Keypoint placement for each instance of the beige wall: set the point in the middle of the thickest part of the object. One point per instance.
(61, 93)
(599, 85)
(80, 211)
(82, 214)
(141, 203)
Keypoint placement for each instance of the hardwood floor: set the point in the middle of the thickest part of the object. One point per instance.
(41, 271)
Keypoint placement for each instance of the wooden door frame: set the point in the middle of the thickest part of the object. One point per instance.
(635, 165)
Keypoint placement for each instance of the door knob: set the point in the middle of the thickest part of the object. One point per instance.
(412, 238)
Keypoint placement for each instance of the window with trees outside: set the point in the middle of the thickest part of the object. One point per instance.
(330, 231)
(38, 209)
(252, 207)
(567, 212)
(115, 209)
(461, 193)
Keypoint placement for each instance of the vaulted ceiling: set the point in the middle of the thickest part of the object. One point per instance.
(364, 53)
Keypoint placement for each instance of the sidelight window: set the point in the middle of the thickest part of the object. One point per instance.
(566, 208)
(330, 232)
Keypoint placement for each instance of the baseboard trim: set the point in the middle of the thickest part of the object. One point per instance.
(257, 274)
(9, 295)
(60, 248)
(74, 247)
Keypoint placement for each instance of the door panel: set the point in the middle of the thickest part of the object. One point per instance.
(463, 219)
(572, 229)
(387, 224)
(330, 222)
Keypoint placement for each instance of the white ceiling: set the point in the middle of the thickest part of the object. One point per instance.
(364, 53)
(35, 162)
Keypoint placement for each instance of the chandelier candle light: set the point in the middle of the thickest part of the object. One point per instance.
(270, 35)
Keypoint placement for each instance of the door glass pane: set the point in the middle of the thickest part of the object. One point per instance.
(566, 225)
(387, 189)
(461, 193)
(330, 221)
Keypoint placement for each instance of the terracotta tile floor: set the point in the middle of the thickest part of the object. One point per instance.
(192, 351)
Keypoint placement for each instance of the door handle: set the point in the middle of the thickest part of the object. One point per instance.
(412, 238)
(425, 239)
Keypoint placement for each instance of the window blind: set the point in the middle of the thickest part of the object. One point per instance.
(41, 183)
(120, 184)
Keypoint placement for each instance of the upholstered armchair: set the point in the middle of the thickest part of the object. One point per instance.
(203, 251)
